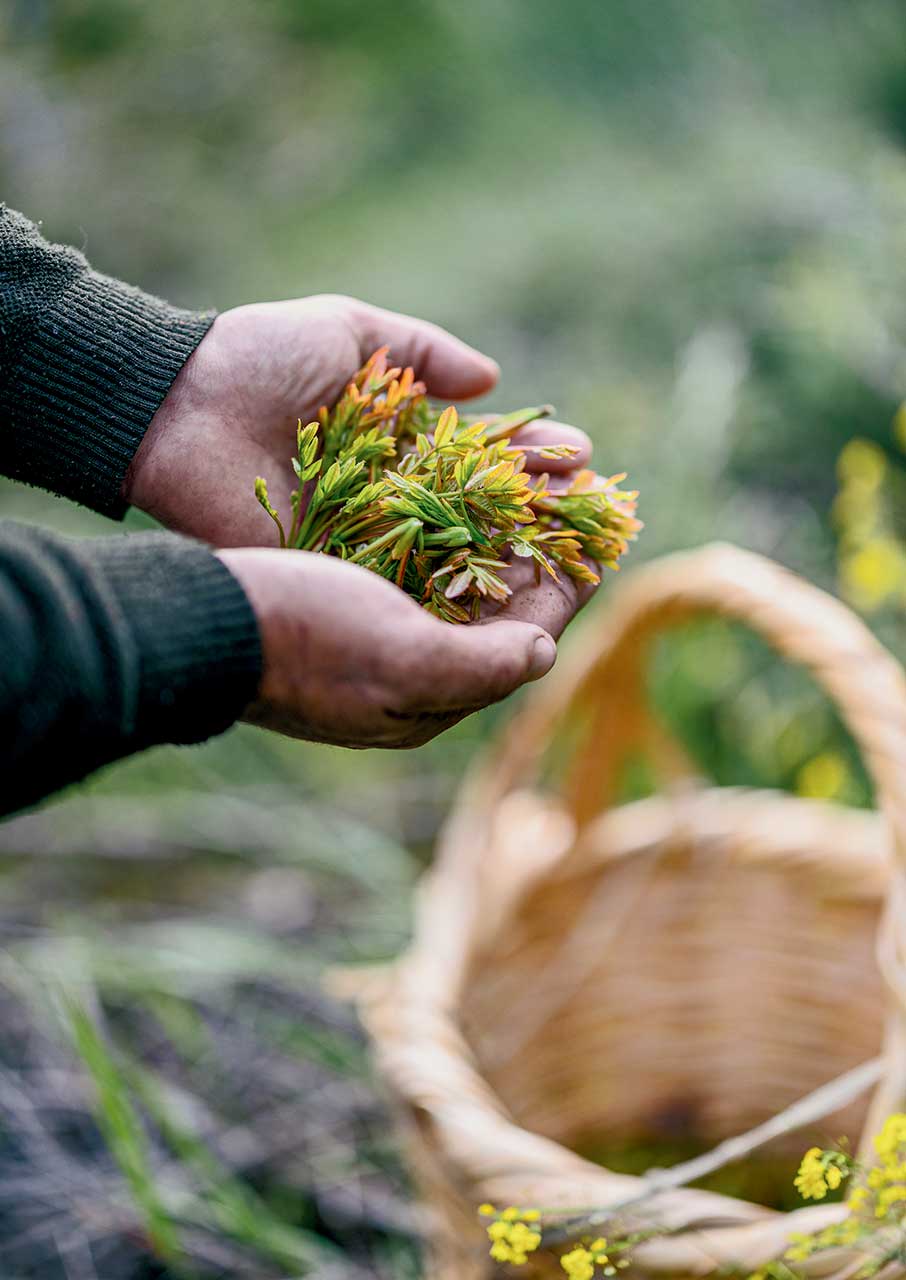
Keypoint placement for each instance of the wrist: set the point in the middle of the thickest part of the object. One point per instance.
(248, 567)
(194, 635)
(159, 480)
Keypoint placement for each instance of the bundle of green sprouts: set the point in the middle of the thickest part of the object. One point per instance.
(435, 502)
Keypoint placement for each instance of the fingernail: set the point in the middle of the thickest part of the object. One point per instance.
(544, 655)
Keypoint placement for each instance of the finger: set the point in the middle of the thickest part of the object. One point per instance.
(548, 604)
(467, 667)
(447, 366)
(546, 433)
(542, 601)
(561, 483)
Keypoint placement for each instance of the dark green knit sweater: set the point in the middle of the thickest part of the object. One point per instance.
(108, 645)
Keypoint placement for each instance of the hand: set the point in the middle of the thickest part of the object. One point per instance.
(350, 659)
(231, 416)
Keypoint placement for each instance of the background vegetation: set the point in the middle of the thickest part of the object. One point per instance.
(681, 223)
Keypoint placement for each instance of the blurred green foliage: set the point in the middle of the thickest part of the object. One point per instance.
(679, 223)
(683, 224)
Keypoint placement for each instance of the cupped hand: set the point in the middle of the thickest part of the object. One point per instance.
(231, 415)
(350, 659)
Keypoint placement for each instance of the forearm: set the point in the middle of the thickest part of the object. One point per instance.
(85, 362)
(110, 646)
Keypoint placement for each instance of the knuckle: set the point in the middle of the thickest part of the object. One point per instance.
(333, 299)
(336, 303)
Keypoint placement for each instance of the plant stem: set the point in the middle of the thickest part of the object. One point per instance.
(504, 426)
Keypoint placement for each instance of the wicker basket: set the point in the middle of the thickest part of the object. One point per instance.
(700, 959)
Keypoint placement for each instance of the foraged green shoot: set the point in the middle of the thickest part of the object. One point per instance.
(437, 503)
(261, 495)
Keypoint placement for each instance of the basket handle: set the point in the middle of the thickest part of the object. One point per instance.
(604, 682)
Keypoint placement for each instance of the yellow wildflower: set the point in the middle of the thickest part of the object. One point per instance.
(820, 1172)
(862, 463)
(872, 574)
(854, 518)
(511, 1237)
(810, 1180)
(858, 1199)
(891, 1137)
(800, 1247)
(849, 1230)
(823, 777)
(887, 1198)
(578, 1264)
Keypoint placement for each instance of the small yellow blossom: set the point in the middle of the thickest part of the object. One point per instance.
(849, 1230)
(874, 573)
(578, 1264)
(800, 1247)
(888, 1197)
(855, 519)
(891, 1137)
(820, 1172)
(862, 463)
(823, 777)
(858, 1199)
(810, 1180)
(511, 1237)
(581, 1262)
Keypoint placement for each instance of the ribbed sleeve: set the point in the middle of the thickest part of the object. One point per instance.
(112, 645)
(192, 630)
(85, 362)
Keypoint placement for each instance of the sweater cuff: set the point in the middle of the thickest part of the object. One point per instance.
(195, 634)
(97, 367)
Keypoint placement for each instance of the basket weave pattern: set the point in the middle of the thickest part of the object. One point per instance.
(694, 962)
